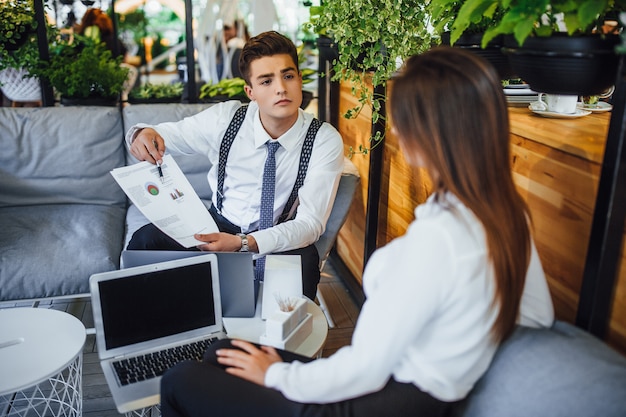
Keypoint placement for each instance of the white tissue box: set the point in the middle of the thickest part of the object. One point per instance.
(283, 277)
(295, 338)
(282, 323)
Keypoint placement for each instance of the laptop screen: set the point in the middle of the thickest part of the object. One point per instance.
(156, 304)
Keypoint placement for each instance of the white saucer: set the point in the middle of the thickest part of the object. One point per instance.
(599, 107)
(516, 86)
(555, 115)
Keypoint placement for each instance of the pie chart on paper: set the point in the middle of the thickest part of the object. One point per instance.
(152, 188)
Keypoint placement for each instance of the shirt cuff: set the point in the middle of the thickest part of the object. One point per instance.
(264, 241)
(132, 132)
(273, 373)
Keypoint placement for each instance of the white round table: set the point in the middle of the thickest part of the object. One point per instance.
(251, 329)
(41, 362)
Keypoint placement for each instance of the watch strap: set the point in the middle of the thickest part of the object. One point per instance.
(244, 242)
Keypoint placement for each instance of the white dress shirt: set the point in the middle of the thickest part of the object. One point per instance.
(427, 317)
(203, 133)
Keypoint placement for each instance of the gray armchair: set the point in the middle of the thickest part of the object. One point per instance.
(348, 184)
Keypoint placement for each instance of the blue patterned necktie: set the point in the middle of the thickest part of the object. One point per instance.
(266, 218)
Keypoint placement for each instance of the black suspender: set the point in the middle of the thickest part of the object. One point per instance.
(305, 156)
(227, 142)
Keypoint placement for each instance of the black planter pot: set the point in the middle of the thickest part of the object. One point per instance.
(89, 101)
(491, 53)
(560, 64)
(161, 100)
(222, 97)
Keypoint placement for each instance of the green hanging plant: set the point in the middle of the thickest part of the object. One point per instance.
(372, 37)
(18, 37)
(17, 22)
(523, 18)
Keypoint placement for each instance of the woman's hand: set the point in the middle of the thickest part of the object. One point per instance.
(250, 363)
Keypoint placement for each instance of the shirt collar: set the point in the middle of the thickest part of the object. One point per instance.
(436, 203)
(288, 140)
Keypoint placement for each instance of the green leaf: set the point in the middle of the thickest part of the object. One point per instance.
(572, 22)
(467, 13)
(589, 11)
(523, 29)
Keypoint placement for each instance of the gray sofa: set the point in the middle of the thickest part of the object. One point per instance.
(63, 218)
(61, 212)
(558, 372)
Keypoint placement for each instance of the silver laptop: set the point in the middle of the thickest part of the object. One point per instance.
(164, 313)
(238, 289)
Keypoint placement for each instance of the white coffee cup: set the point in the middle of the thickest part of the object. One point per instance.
(557, 103)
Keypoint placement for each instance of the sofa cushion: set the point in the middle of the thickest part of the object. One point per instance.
(56, 155)
(558, 372)
(51, 250)
(195, 167)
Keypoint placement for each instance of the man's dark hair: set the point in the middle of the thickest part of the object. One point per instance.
(265, 44)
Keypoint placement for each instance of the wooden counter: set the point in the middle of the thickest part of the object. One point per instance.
(556, 165)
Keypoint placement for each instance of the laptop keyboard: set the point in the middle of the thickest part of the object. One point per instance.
(153, 364)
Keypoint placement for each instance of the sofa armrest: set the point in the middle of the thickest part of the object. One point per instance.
(558, 372)
(348, 184)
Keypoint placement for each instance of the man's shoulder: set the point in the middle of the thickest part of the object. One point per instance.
(328, 143)
(224, 107)
(326, 129)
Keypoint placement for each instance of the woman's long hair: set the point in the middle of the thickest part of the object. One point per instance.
(449, 110)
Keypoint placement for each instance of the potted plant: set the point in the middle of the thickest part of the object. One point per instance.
(225, 89)
(370, 42)
(83, 71)
(18, 50)
(545, 38)
(17, 23)
(157, 93)
(443, 15)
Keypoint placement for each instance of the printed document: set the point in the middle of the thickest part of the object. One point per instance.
(168, 201)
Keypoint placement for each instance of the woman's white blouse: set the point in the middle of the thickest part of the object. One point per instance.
(427, 316)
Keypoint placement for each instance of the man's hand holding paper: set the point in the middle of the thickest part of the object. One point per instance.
(171, 204)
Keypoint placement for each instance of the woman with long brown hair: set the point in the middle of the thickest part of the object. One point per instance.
(440, 299)
(98, 25)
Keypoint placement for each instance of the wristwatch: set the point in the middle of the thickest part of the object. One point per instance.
(244, 242)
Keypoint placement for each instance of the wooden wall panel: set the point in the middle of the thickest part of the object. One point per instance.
(404, 188)
(350, 242)
(560, 190)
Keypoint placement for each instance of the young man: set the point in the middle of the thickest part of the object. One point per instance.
(269, 64)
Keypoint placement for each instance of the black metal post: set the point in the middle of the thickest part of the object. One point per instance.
(327, 90)
(605, 241)
(192, 88)
(374, 180)
(47, 95)
(116, 43)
